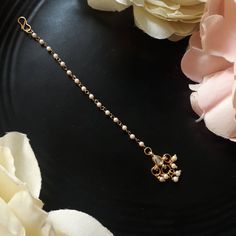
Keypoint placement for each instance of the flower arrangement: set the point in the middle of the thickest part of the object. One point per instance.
(210, 59)
(21, 212)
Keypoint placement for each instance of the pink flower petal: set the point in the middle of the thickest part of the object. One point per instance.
(219, 32)
(194, 103)
(220, 120)
(234, 97)
(214, 89)
(210, 61)
(196, 63)
(213, 7)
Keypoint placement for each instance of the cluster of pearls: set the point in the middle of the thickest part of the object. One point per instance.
(165, 168)
(175, 178)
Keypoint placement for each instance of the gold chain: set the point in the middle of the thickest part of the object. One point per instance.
(164, 167)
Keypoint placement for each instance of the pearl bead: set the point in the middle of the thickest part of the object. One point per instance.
(107, 112)
(55, 56)
(161, 179)
(91, 96)
(62, 64)
(175, 179)
(166, 176)
(178, 172)
(83, 88)
(173, 166)
(161, 163)
(115, 120)
(174, 158)
(132, 136)
(41, 41)
(99, 104)
(68, 72)
(141, 144)
(49, 49)
(34, 35)
(76, 81)
(124, 127)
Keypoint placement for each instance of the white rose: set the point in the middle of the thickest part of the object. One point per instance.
(21, 212)
(173, 19)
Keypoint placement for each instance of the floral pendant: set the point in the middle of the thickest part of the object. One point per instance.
(165, 168)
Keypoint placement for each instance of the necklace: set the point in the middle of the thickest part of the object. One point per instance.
(164, 166)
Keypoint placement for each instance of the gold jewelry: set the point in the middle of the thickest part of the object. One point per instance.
(164, 166)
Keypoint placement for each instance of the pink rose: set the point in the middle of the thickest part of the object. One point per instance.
(211, 62)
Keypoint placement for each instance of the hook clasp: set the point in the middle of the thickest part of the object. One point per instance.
(24, 24)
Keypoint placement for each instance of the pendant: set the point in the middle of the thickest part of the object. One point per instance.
(165, 168)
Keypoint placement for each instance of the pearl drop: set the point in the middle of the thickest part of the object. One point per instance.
(76, 81)
(161, 163)
(99, 104)
(91, 96)
(166, 176)
(83, 88)
(132, 136)
(124, 127)
(178, 172)
(34, 35)
(173, 166)
(107, 112)
(141, 144)
(49, 49)
(62, 64)
(174, 158)
(55, 56)
(161, 179)
(68, 72)
(175, 179)
(41, 41)
(115, 120)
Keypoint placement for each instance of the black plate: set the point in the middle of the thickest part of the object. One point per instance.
(86, 162)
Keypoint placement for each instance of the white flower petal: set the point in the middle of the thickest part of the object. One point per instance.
(31, 216)
(9, 224)
(9, 185)
(124, 2)
(188, 2)
(27, 169)
(151, 25)
(48, 230)
(74, 223)
(7, 160)
(139, 3)
(182, 14)
(109, 5)
(159, 28)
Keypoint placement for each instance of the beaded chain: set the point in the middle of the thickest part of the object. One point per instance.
(164, 166)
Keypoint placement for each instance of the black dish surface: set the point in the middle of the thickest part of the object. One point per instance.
(87, 163)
